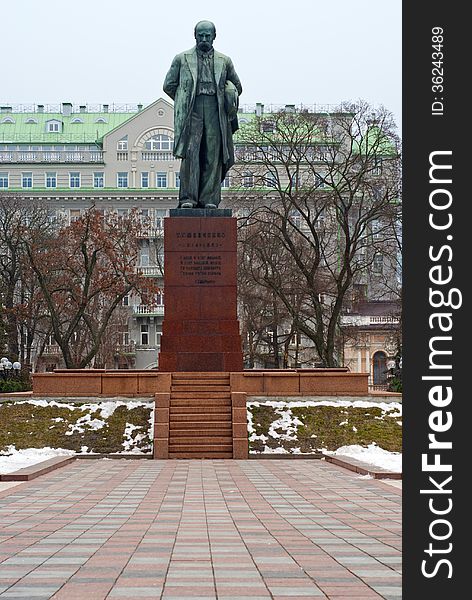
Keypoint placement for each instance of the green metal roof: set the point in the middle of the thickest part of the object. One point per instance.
(376, 141)
(86, 131)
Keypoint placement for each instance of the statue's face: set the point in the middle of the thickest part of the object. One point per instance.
(204, 36)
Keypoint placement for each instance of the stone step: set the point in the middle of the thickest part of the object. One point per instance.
(194, 455)
(201, 425)
(199, 417)
(191, 387)
(200, 395)
(194, 448)
(199, 375)
(200, 410)
(208, 381)
(198, 403)
(200, 432)
(197, 442)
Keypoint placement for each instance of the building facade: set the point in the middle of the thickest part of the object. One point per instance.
(117, 158)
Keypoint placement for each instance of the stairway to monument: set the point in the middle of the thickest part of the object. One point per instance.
(200, 416)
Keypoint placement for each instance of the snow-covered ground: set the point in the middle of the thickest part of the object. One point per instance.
(12, 459)
(372, 455)
(285, 428)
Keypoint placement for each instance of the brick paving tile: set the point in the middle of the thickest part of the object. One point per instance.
(200, 530)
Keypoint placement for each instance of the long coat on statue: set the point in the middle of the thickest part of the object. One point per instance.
(181, 85)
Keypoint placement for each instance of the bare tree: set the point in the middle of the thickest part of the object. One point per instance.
(22, 308)
(325, 191)
(84, 271)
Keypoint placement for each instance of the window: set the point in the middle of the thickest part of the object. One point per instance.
(122, 180)
(144, 334)
(27, 180)
(376, 226)
(51, 180)
(53, 126)
(380, 368)
(377, 266)
(268, 126)
(270, 179)
(160, 299)
(74, 215)
(158, 338)
(161, 180)
(145, 179)
(319, 181)
(377, 166)
(125, 301)
(31, 121)
(248, 179)
(296, 180)
(74, 180)
(177, 179)
(295, 217)
(144, 254)
(123, 143)
(125, 338)
(159, 214)
(123, 213)
(3, 180)
(98, 179)
(225, 183)
(159, 142)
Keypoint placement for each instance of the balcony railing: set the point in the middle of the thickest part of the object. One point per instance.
(156, 155)
(143, 310)
(151, 271)
(51, 350)
(19, 156)
(126, 348)
(151, 232)
(382, 387)
(364, 320)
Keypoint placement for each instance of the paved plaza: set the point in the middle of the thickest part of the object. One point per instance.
(200, 530)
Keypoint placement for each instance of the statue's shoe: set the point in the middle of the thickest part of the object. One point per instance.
(211, 206)
(186, 205)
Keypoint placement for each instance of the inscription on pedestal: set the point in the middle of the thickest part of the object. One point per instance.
(201, 269)
(211, 240)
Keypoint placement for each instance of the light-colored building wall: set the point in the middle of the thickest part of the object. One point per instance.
(108, 153)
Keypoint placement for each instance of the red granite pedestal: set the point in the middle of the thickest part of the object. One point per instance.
(200, 331)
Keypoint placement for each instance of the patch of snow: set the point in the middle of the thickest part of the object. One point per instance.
(373, 455)
(384, 406)
(250, 423)
(130, 441)
(85, 422)
(287, 422)
(12, 459)
(354, 429)
(268, 450)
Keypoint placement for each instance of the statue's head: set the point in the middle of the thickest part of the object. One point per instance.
(205, 33)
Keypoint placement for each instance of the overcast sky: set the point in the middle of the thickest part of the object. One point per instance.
(118, 51)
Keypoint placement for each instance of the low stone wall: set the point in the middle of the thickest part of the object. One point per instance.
(91, 382)
(302, 382)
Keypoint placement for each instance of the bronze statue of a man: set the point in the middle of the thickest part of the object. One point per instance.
(205, 89)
